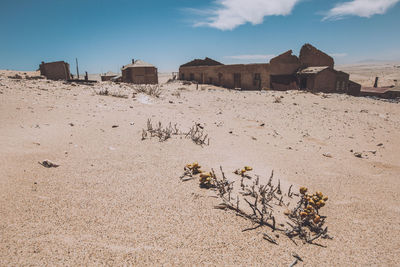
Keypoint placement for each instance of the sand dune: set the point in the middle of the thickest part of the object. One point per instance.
(116, 199)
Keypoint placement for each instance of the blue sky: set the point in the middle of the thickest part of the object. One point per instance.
(105, 34)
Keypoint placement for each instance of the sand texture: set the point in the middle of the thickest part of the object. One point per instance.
(117, 200)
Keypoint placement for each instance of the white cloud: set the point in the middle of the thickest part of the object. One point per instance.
(251, 57)
(229, 14)
(360, 8)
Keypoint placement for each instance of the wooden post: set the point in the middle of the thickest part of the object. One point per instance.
(77, 68)
(376, 82)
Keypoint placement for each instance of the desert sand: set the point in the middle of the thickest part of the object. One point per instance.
(117, 200)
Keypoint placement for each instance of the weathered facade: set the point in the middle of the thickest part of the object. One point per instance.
(313, 70)
(58, 70)
(139, 72)
(323, 79)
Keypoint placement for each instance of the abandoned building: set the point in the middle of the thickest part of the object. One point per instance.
(108, 76)
(139, 72)
(58, 70)
(313, 70)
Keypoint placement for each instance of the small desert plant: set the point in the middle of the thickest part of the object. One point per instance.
(306, 217)
(148, 89)
(102, 91)
(263, 202)
(196, 133)
(277, 100)
(163, 133)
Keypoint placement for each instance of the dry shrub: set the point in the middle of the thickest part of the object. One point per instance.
(196, 132)
(266, 205)
(277, 100)
(148, 89)
(163, 133)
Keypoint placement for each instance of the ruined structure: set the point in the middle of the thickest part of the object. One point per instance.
(323, 79)
(139, 72)
(58, 70)
(312, 57)
(108, 76)
(313, 70)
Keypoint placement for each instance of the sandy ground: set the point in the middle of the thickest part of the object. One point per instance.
(118, 200)
(364, 74)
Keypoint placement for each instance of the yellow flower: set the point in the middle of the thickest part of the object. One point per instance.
(303, 190)
(317, 219)
(205, 175)
(248, 168)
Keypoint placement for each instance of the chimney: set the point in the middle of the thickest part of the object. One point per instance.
(133, 61)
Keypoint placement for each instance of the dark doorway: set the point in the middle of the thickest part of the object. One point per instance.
(257, 81)
(220, 75)
(303, 83)
(191, 76)
(128, 75)
(237, 80)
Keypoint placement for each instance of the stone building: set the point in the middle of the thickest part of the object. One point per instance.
(323, 79)
(58, 70)
(108, 76)
(313, 70)
(139, 72)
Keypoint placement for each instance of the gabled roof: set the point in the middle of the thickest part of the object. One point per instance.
(202, 62)
(313, 70)
(137, 64)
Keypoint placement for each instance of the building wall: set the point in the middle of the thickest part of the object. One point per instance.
(252, 76)
(55, 70)
(354, 88)
(284, 64)
(325, 81)
(140, 75)
(312, 57)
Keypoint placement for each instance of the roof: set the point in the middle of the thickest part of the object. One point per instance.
(313, 70)
(109, 73)
(116, 77)
(202, 62)
(137, 64)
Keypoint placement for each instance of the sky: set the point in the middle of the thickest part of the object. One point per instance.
(106, 34)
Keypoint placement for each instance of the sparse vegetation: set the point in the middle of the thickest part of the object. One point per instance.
(196, 133)
(148, 89)
(163, 133)
(117, 92)
(266, 204)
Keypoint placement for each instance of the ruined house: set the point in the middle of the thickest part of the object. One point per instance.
(108, 76)
(139, 72)
(323, 79)
(313, 70)
(58, 70)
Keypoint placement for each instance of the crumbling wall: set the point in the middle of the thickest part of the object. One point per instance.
(58, 70)
(354, 88)
(312, 57)
(248, 77)
(284, 64)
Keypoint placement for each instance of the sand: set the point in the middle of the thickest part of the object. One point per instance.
(118, 200)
